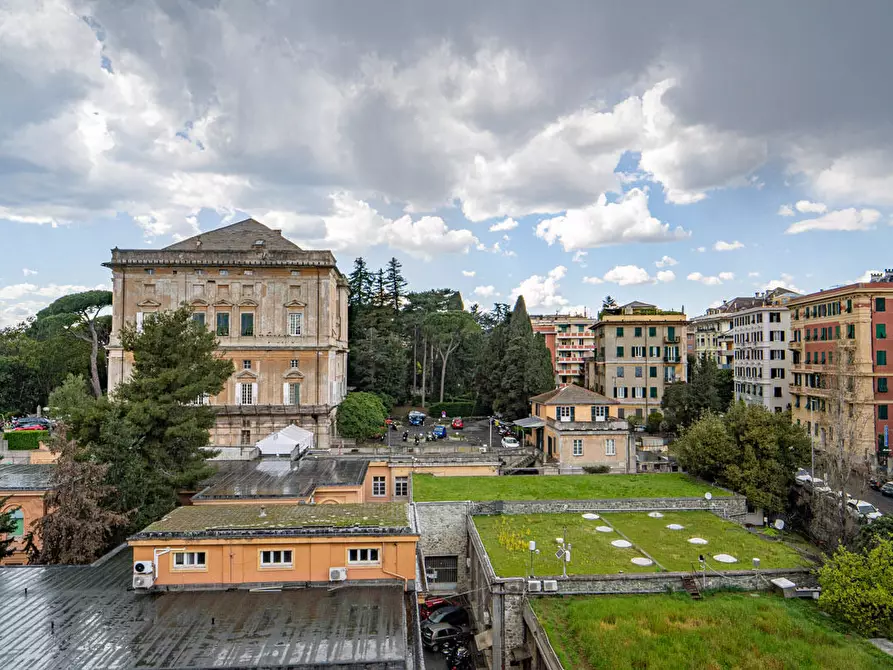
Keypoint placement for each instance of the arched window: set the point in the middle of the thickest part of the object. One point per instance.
(18, 518)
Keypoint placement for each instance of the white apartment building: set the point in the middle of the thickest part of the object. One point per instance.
(762, 369)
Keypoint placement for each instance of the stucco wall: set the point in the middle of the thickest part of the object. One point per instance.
(32, 505)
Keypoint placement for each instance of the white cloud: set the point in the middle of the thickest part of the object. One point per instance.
(666, 262)
(468, 273)
(786, 281)
(580, 257)
(631, 275)
(722, 245)
(593, 280)
(846, 175)
(507, 224)
(701, 250)
(807, 207)
(711, 280)
(21, 301)
(753, 274)
(485, 291)
(29, 273)
(665, 276)
(844, 219)
(544, 292)
(606, 223)
(785, 210)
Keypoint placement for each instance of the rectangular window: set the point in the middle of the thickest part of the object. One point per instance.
(619, 331)
(578, 447)
(401, 487)
(882, 385)
(849, 306)
(199, 318)
(777, 391)
(652, 371)
(836, 332)
(276, 558)
(247, 394)
(652, 331)
(619, 372)
(294, 363)
(364, 556)
(619, 352)
(880, 304)
(880, 331)
(652, 392)
(379, 487)
(639, 370)
(247, 324)
(610, 449)
(246, 365)
(222, 324)
(190, 560)
(565, 413)
(599, 412)
(882, 357)
(294, 393)
(295, 323)
(882, 412)
(638, 331)
(245, 438)
(851, 331)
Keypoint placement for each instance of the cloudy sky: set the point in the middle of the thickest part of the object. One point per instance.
(677, 153)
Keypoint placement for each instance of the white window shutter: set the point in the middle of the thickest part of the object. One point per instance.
(254, 394)
(139, 322)
(285, 398)
(238, 394)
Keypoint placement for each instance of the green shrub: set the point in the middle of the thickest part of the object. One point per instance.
(596, 469)
(451, 408)
(361, 416)
(23, 440)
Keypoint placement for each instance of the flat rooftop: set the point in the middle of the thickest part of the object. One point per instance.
(25, 477)
(428, 488)
(226, 520)
(281, 478)
(86, 618)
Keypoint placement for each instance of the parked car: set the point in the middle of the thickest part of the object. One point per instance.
(440, 432)
(863, 509)
(435, 635)
(887, 489)
(30, 426)
(416, 418)
(458, 423)
(455, 615)
(509, 442)
(802, 477)
(875, 484)
(431, 605)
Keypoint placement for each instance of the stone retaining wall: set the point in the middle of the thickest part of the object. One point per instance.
(728, 507)
(443, 531)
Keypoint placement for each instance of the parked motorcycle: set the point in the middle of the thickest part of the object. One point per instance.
(405, 435)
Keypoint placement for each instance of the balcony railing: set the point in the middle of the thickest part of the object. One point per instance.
(672, 359)
(671, 340)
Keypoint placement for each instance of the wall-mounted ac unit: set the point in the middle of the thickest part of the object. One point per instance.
(534, 586)
(143, 568)
(550, 585)
(337, 574)
(143, 581)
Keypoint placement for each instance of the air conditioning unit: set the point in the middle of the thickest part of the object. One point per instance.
(143, 581)
(534, 586)
(337, 574)
(550, 585)
(143, 568)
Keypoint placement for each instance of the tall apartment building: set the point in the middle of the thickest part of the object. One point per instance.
(639, 350)
(712, 332)
(570, 341)
(762, 370)
(279, 312)
(842, 354)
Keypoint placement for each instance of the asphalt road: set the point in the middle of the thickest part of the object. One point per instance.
(883, 503)
(434, 660)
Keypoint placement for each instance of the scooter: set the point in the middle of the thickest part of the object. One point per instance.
(405, 435)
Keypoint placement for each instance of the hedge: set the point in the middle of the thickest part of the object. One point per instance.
(451, 408)
(23, 440)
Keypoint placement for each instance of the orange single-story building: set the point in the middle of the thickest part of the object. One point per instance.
(256, 545)
(22, 490)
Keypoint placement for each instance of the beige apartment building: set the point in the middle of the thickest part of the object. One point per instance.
(569, 340)
(279, 312)
(713, 331)
(639, 350)
(841, 353)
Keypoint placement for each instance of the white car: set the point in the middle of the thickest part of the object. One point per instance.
(510, 443)
(864, 509)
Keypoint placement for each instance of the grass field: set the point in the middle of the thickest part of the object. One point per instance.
(506, 536)
(428, 488)
(674, 632)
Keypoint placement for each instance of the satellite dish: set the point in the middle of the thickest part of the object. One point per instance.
(779, 524)
(708, 496)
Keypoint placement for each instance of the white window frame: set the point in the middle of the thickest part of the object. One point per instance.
(401, 484)
(295, 324)
(276, 558)
(601, 412)
(364, 556)
(294, 363)
(610, 447)
(139, 321)
(288, 398)
(380, 486)
(246, 394)
(578, 447)
(189, 560)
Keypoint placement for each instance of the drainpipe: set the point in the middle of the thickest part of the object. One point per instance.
(394, 574)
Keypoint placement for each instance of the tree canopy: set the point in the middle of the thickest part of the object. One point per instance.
(709, 389)
(361, 416)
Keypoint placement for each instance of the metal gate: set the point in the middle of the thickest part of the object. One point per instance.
(442, 572)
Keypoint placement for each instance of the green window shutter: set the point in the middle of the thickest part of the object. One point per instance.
(652, 331)
(836, 332)
(619, 331)
(222, 324)
(851, 331)
(880, 331)
(638, 332)
(671, 332)
(653, 391)
(880, 304)
(619, 352)
(849, 306)
(881, 411)
(882, 357)
(247, 329)
(882, 384)
(652, 371)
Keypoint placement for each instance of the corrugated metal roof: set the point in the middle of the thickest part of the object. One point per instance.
(85, 618)
(278, 478)
(26, 477)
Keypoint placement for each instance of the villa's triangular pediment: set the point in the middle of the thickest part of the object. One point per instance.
(294, 373)
(223, 303)
(248, 302)
(198, 302)
(246, 374)
(148, 302)
(295, 303)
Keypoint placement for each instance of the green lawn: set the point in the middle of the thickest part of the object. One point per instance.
(674, 632)
(506, 536)
(428, 488)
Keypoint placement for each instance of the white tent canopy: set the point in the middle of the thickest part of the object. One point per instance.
(290, 441)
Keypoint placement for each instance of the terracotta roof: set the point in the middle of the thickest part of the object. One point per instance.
(572, 395)
(241, 236)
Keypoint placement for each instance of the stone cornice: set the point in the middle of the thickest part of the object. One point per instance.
(267, 258)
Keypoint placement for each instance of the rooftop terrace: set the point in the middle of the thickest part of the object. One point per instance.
(428, 488)
(86, 618)
(229, 520)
